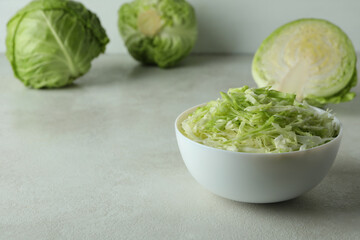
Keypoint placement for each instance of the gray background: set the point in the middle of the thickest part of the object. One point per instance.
(228, 26)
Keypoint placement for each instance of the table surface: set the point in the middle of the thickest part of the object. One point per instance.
(99, 160)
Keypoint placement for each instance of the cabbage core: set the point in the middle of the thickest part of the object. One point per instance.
(149, 22)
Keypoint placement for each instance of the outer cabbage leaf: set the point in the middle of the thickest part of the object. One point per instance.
(312, 58)
(50, 43)
(160, 32)
(259, 120)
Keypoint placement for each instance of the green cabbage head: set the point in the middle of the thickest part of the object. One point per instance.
(312, 58)
(50, 43)
(160, 32)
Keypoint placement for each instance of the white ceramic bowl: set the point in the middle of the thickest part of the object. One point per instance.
(256, 177)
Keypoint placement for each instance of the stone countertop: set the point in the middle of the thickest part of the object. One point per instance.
(99, 160)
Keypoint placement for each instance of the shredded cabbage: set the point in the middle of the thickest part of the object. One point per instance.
(259, 120)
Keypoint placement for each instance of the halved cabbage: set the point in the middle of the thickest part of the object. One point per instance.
(312, 58)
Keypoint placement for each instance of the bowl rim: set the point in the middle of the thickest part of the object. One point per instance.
(193, 108)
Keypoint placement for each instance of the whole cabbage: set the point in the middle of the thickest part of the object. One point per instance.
(50, 43)
(160, 32)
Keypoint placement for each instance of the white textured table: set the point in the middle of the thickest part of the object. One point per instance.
(99, 160)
